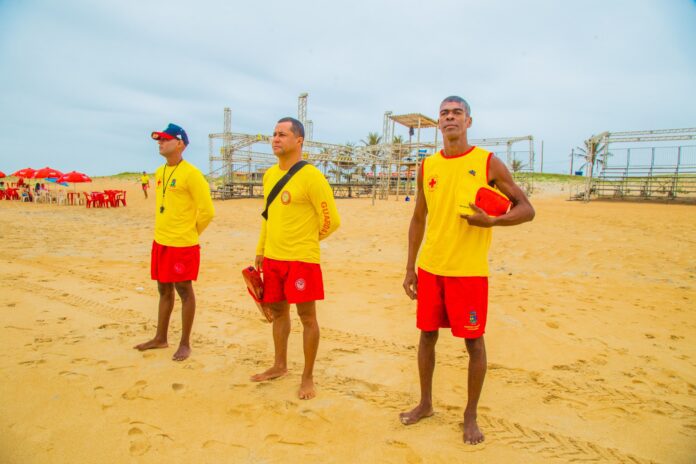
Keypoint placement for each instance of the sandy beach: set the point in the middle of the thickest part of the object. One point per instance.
(592, 307)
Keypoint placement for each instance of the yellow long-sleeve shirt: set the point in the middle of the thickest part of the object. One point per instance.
(303, 213)
(188, 207)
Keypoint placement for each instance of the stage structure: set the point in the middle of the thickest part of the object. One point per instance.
(388, 167)
(643, 165)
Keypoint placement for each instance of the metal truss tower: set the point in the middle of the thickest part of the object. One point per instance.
(302, 108)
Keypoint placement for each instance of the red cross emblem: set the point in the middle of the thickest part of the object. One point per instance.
(432, 182)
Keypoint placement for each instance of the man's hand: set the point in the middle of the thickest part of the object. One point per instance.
(411, 284)
(479, 218)
(258, 262)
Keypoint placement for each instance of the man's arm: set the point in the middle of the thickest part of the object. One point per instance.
(200, 192)
(260, 246)
(521, 210)
(322, 199)
(415, 236)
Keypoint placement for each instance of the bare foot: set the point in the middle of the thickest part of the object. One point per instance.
(151, 344)
(472, 433)
(272, 373)
(182, 353)
(416, 414)
(307, 391)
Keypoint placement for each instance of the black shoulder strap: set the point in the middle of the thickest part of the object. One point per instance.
(280, 184)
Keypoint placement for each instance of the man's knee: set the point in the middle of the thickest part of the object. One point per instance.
(429, 337)
(184, 289)
(279, 309)
(307, 313)
(475, 347)
(165, 288)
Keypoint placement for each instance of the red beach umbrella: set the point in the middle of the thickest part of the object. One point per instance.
(2, 174)
(46, 172)
(74, 177)
(26, 172)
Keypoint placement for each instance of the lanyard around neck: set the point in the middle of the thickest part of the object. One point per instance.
(164, 187)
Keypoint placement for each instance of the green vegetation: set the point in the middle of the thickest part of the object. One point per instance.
(548, 177)
(124, 176)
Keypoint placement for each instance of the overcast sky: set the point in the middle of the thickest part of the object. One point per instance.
(83, 83)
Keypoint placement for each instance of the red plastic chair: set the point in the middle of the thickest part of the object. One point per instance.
(88, 200)
(121, 197)
(99, 200)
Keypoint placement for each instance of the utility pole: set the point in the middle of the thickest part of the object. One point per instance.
(542, 156)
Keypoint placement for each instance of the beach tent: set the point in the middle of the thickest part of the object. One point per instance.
(2, 174)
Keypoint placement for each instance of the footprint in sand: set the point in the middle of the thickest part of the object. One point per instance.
(109, 326)
(136, 391)
(72, 375)
(104, 399)
(118, 368)
(177, 387)
(234, 452)
(273, 438)
(410, 456)
(139, 442)
(32, 363)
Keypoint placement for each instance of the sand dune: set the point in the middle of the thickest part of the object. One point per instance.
(590, 343)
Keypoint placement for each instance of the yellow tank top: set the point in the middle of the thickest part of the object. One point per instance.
(453, 247)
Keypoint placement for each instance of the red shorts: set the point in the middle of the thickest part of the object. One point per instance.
(457, 302)
(294, 281)
(174, 264)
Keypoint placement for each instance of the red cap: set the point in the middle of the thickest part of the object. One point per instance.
(162, 136)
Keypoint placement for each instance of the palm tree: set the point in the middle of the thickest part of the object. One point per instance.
(591, 153)
(516, 165)
(372, 139)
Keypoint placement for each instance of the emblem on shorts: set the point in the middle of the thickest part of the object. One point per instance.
(300, 284)
(473, 318)
(472, 172)
(432, 183)
(179, 268)
(285, 197)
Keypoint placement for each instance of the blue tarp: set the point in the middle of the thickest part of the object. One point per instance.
(54, 179)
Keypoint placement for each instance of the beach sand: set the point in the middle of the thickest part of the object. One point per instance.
(590, 342)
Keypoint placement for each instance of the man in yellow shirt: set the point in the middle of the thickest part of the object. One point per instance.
(451, 284)
(145, 183)
(184, 210)
(303, 213)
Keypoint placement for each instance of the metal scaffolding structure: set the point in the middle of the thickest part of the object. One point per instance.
(644, 169)
(238, 160)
